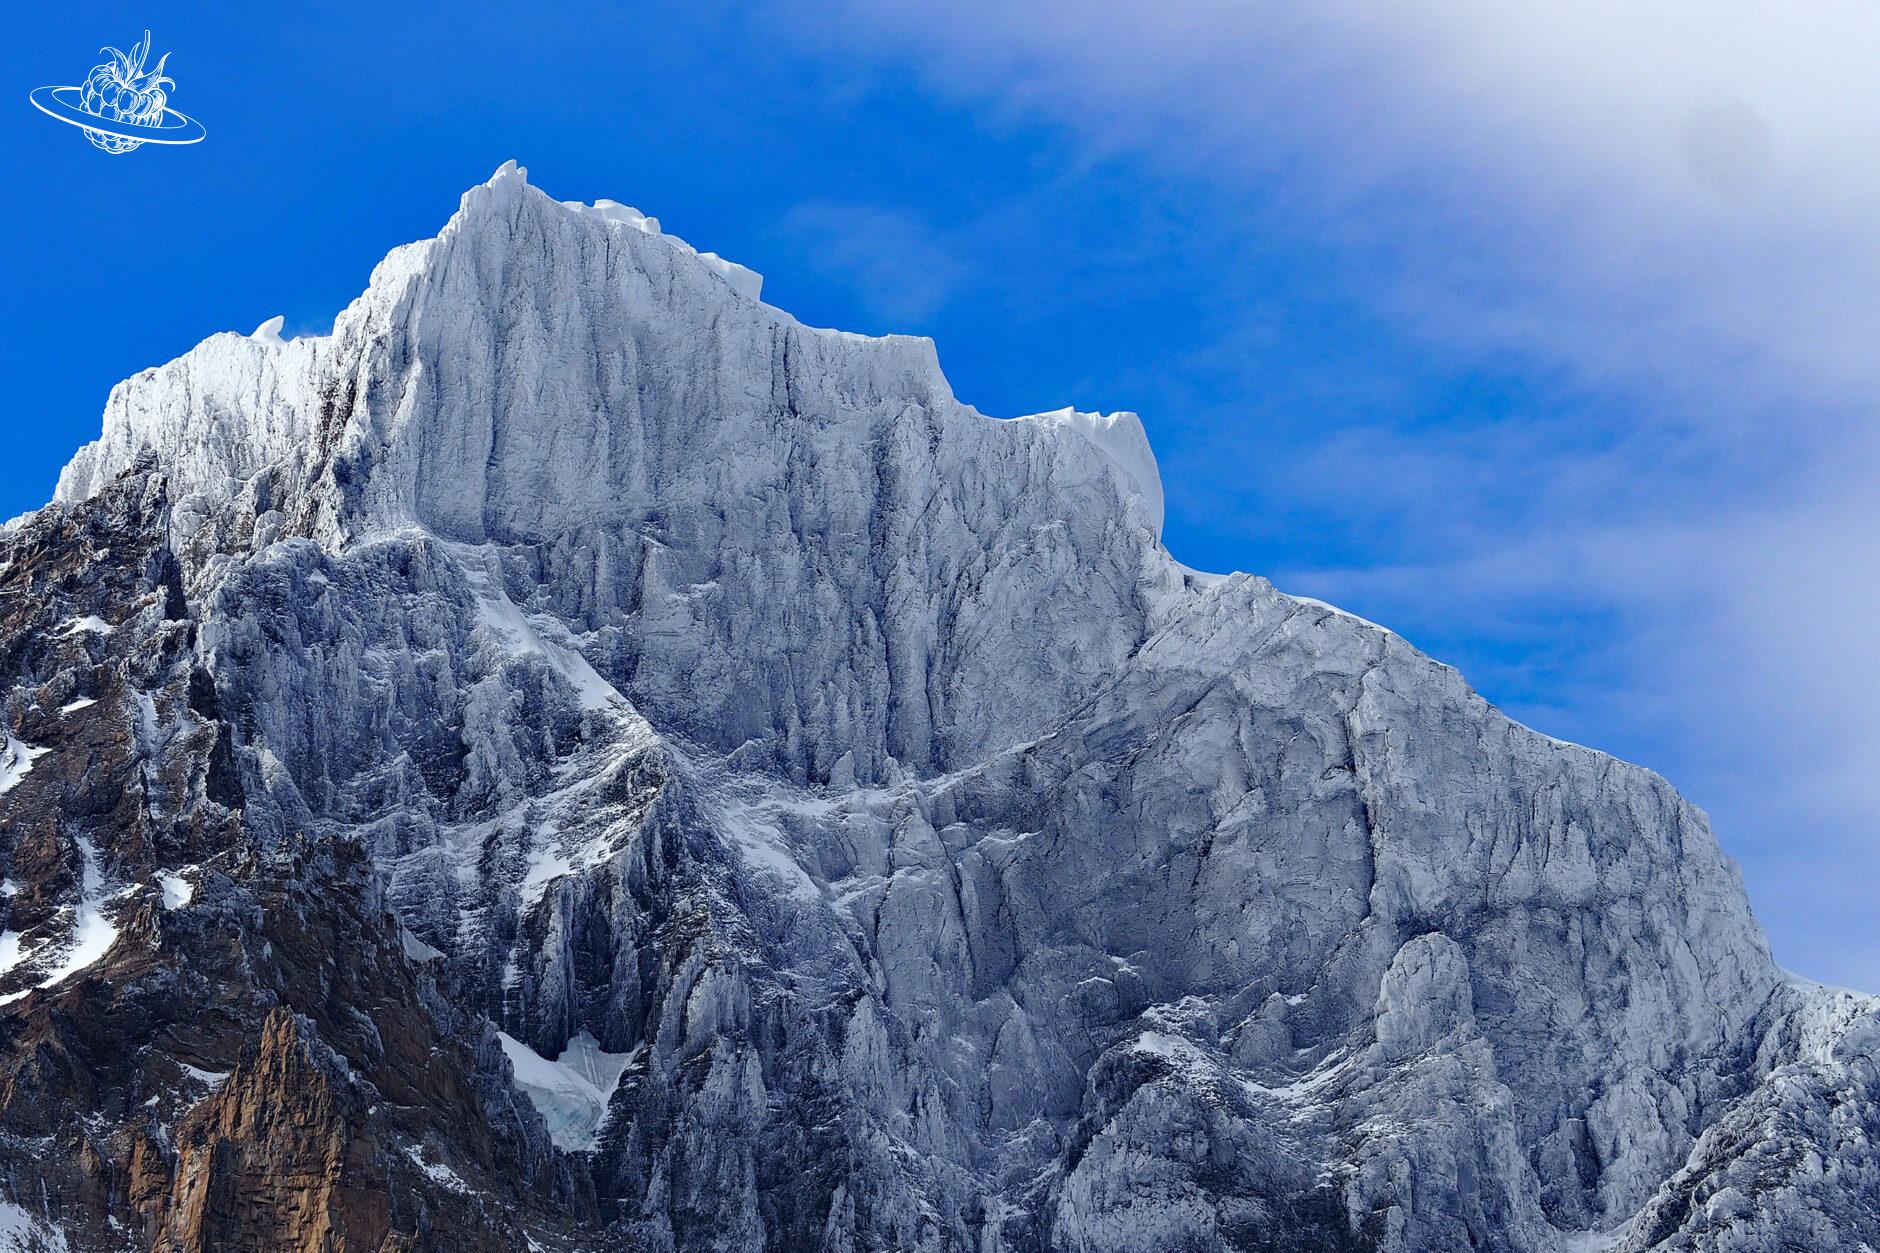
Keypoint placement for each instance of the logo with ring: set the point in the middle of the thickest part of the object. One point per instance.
(122, 106)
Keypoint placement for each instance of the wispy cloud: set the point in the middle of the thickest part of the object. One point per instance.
(892, 260)
(1593, 151)
(1662, 212)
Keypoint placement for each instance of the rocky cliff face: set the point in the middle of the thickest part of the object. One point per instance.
(576, 759)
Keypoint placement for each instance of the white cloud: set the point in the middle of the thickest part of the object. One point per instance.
(1671, 202)
(1598, 149)
(891, 259)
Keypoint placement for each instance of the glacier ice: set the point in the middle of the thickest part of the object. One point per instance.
(572, 1090)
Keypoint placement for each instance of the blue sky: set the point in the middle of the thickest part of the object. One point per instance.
(1546, 340)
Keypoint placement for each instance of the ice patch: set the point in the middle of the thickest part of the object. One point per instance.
(572, 1091)
(15, 760)
(415, 949)
(72, 707)
(177, 891)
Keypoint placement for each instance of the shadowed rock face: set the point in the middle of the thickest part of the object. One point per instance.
(859, 830)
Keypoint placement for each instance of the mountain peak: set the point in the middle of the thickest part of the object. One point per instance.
(764, 803)
(475, 357)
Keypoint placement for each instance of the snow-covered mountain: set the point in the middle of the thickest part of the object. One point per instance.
(578, 760)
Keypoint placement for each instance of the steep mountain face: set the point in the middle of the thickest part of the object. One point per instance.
(577, 760)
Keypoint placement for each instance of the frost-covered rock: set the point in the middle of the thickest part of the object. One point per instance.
(837, 814)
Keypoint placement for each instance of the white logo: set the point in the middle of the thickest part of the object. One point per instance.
(121, 105)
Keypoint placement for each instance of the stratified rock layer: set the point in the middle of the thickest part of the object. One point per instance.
(576, 759)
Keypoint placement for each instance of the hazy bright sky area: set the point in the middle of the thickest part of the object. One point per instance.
(1545, 335)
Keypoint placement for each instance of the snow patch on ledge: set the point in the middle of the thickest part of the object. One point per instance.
(177, 891)
(1815, 985)
(761, 843)
(1555, 740)
(1343, 613)
(1120, 437)
(90, 624)
(571, 1092)
(11, 952)
(437, 1172)
(743, 280)
(1594, 1241)
(614, 213)
(22, 1232)
(547, 863)
(522, 635)
(16, 758)
(93, 933)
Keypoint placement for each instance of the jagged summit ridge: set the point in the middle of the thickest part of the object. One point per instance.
(491, 222)
(849, 800)
(537, 374)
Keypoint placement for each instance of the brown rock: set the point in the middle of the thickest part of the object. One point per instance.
(267, 1162)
